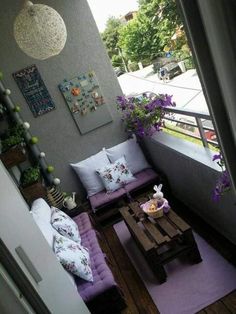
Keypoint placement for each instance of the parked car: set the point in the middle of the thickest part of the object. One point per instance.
(169, 70)
(166, 68)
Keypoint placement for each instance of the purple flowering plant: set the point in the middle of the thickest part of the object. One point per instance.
(223, 184)
(143, 114)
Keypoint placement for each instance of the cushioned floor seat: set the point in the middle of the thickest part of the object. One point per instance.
(90, 241)
(103, 294)
(84, 223)
(143, 177)
(103, 279)
(103, 198)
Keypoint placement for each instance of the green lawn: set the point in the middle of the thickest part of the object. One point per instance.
(187, 137)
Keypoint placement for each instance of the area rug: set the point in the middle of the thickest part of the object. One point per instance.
(189, 288)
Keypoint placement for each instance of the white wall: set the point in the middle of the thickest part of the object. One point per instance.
(17, 228)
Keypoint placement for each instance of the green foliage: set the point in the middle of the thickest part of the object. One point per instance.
(145, 37)
(117, 61)
(110, 36)
(13, 136)
(133, 66)
(30, 175)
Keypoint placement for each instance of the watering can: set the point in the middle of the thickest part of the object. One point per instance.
(69, 201)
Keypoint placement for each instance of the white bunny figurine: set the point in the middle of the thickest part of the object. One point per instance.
(159, 195)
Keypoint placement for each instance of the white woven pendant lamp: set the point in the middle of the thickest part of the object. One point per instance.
(39, 31)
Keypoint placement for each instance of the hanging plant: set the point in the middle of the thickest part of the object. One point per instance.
(223, 184)
(143, 114)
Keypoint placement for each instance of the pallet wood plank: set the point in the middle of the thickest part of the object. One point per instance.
(179, 222)
(167, 227)
(142, 238)
(217, 308)
(142, 298)
(135, 207)
(154, 232)
(230, 301)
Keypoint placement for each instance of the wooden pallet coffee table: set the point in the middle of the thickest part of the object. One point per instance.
(161, 240)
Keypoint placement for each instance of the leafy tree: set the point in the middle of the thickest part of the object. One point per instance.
(145, 37)
(110, 36)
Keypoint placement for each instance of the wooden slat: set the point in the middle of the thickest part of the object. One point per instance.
(135, 207)
(113, 264)
(142, 298)
(167, 227)
(154, 232)
(217, 308)
(142, 238)
(230, 301)
(179, 222)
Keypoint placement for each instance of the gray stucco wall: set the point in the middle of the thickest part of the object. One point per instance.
(192, 176)
(59, 136)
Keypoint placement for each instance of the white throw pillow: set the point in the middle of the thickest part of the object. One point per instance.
(74, 257)
(133, 154)
(85, 169)
(115, 175)
(40, 209)
(65, 225)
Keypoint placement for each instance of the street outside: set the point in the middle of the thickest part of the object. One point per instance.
(185, 88)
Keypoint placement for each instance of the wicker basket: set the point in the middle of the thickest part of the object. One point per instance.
(154, 213)
(55, 197)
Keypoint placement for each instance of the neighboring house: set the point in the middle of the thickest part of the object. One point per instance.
(128, 17)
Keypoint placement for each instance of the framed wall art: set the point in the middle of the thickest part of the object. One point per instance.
(34, 90)
(85, 101)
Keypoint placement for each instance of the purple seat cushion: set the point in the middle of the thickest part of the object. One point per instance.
(104, 198)
(103, 279)
(83, 222)
(143, 177)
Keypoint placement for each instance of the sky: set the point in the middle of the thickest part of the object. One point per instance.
(103, 9)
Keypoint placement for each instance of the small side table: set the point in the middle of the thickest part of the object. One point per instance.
(73, 212)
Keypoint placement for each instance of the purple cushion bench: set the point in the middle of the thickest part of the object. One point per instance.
(102, 294)
(103, 198)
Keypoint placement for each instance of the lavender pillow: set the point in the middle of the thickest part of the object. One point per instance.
(133, 154)
(115, 175)
(86, 170)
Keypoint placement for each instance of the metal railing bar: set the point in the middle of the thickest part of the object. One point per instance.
(201, 131)
(188, 113)
(181, 122)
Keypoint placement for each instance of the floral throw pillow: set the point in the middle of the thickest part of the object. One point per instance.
(115, 175)
(65, 225)
(73, 256)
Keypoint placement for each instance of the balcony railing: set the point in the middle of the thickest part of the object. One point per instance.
(192, 124)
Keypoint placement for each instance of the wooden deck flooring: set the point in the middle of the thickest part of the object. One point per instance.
(136, 295)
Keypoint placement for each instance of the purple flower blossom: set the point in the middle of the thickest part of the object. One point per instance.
(217, 157)
(143, 114)
(223, 184)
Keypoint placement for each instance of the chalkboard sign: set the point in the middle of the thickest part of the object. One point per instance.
(34, 90)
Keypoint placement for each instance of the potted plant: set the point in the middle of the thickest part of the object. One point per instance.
(143, 114)
(30, 184)
(12, 146)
